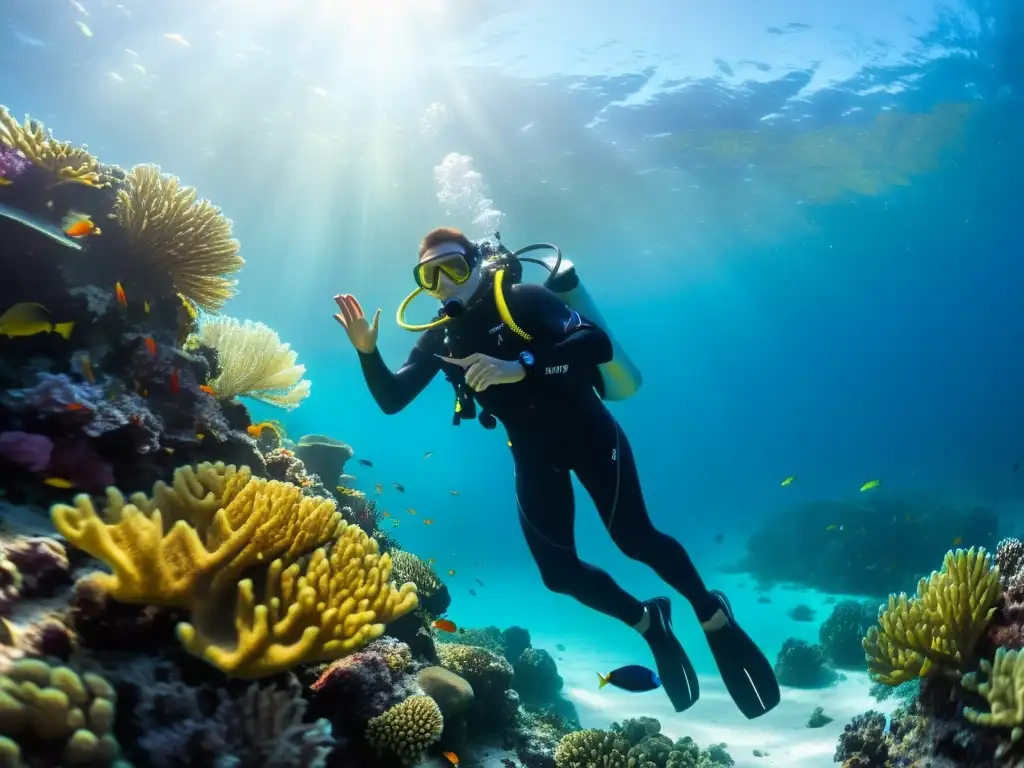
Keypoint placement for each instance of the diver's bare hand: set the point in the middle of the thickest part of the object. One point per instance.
(483, 371)
(361, 333)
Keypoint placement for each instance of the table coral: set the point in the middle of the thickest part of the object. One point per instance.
(941, 625)
(407, 729)
(189, 544)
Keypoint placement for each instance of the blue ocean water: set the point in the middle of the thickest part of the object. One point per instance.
(799, 218)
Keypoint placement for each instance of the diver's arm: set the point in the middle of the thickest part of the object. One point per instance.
(562, 338)
(394, 391)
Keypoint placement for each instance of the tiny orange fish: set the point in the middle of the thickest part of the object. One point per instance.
(445, 625)
(58, 482)
(119, 293)
(452, 758)
(75, 407)
(428, 521)
(79, 225)
(385, 514)
(150, 345)
(175, 381)
(256, 430)
(86, 366)
(207, 389)
(451, 571)
(411, 511)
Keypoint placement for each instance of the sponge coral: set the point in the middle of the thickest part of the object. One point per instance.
(65, 713)
(186, 239)
(938, 627)
(222, 522)
(254, 363)
(68, 163)
(407, 729)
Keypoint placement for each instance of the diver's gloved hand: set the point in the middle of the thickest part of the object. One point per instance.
(483, 371)
(361, 333)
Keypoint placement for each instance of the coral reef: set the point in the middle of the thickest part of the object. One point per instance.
(801, 665)
(407, 729)
(433, 594)
(636, 743)
(841, 635)
(324, 456)
(872, 546)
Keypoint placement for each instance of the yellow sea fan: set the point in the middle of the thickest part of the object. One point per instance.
(254, 363)
(68, 163)
(186, 238)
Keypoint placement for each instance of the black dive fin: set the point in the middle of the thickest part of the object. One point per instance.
(678, 677)
(747, 673)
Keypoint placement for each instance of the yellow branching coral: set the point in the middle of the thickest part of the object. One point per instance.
(191, 542)
(71, 712)
(407, 729)
(188, 239)
(938, 627)
(337, 604)
(68, 163)
(254, 363)
(1004, 691)
(197, 535)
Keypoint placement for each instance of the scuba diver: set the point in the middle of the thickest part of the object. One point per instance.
(536, 358)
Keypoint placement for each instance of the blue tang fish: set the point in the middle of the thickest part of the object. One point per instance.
(631, 677)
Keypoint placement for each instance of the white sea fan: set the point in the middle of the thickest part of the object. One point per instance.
(253, 362)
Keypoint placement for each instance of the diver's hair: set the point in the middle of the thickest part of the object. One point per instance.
(449, 235)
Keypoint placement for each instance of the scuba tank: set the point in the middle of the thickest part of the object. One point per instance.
(619, 378)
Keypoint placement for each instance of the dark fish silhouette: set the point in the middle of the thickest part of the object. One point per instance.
(365, 462)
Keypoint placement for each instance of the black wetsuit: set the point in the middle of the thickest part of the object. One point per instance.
(556, 423)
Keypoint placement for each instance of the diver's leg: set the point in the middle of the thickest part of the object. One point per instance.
(547, 515)
(608, 472)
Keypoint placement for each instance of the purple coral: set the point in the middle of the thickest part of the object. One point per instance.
(12, 162)
(27, 450)
(365, 683)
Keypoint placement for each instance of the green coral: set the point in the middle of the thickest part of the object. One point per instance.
(636, 743)
(480, 637)
(407, 729)
(54, 711)
(1004, 691)
(941, 625)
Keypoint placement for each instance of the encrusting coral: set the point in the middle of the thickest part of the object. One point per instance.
(54, 710)
(941, 625)
(68, 163)
(222, 521)
(253, 363)
(188, 240)
(407, 729)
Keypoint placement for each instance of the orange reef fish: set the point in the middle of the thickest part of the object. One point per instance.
(79, 225)
(428, 521)
(119, 293)
(85, 366)
(256, 430)
(385, 514)
(445, 625)
(452, 758)
(75, 407)
(209, 390)
(29, 318)
(150, 345)
(58, 482)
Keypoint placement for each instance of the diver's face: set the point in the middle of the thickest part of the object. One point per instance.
(448, 276)
(448, 289)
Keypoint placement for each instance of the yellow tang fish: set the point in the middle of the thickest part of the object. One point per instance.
(29, 318)
(870, 484)
(789, 480)
(58, 482)
(5, 182)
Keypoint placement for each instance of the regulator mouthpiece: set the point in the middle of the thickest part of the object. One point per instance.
(452, 308)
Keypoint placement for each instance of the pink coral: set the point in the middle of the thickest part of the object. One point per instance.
(367, 682)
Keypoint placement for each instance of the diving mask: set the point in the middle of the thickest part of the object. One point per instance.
(449, 259)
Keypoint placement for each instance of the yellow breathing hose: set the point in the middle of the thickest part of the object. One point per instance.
(499, 299)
